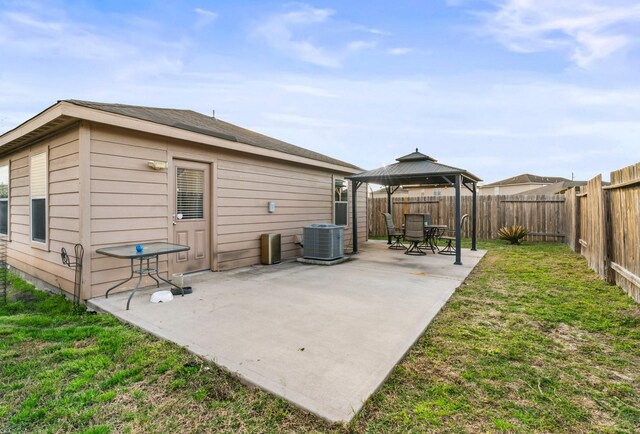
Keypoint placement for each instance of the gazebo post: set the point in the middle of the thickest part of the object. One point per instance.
(388, 188)
(354, 215)
(474, 221)
(458, 212)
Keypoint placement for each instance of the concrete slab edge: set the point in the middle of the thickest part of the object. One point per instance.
(407, 346)
(240, 372)
(337, 416)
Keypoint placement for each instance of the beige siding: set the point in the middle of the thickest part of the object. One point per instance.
(63, 210)
(245, 186)
(129, 201)
(508, 189)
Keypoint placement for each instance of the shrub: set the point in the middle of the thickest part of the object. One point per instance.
(514, 234)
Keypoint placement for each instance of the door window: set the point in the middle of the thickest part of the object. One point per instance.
(190, 194)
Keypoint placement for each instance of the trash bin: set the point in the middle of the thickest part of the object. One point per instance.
(270, 249)
(178, 279)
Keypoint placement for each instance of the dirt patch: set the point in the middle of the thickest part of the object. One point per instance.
(631, 313)
(22, 296)
(599, 418)
(569, 338)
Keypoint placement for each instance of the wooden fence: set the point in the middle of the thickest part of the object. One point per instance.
(603, 224)
(542, 215)
(600, 222)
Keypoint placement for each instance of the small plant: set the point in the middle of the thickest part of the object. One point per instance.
(514, 234)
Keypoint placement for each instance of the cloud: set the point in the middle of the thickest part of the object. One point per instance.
(148, 68)
(587, 30)
(373, 30)
(479, 132)
(127, 46)
(300, 121)
(292, 33)
(205, 17)
(308, 90)
(360, 45)
(399, 51)
(33, 23)
(30, 34)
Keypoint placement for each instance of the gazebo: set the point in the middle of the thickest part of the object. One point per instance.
(419, 169)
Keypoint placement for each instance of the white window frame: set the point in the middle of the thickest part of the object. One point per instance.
(7, 164)
(334, 201)
(34, 243)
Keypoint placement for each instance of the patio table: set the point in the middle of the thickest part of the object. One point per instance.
(149, 250)
(431, 234)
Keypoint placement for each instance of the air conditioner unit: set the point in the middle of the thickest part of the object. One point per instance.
(323, 241)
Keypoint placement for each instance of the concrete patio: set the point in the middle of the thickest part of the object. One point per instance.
(322, 337)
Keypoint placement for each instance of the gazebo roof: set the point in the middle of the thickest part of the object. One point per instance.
(414, 168)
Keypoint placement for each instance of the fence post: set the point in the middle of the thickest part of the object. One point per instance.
(610, 275)
(572, 219)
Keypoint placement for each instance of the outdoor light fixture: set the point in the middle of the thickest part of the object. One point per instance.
(158, 165)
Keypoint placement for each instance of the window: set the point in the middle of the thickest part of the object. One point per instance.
(38, 179)
(190, 197)
(4, 200)
(340, 201)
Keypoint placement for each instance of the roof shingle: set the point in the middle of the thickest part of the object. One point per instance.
(197, 122)
(527, 178)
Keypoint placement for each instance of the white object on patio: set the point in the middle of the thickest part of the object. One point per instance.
(161, 297)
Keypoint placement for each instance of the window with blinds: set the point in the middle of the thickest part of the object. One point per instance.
(4, 200)
(190, 193)
(340, 201)
(38, 181)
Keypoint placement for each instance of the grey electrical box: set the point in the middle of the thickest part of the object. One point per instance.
(270, 249)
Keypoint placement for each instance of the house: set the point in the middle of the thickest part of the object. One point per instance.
(110, 174)
(519, 184)
(420, 191)
(561, 187)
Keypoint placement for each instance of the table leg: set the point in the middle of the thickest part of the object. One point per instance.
(133, 291)
(121, 283)
(436, 236)
(167, 281)
(149, 271)
(429, 239)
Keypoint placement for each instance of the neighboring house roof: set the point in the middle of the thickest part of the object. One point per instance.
(187, 120)
(414, 168)
(526, 178)
(558, 187)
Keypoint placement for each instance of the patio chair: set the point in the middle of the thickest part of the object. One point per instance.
(394, 233)
(414, 233)
(450, 236)
(428, 220)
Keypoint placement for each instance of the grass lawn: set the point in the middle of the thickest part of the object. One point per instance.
(532, 342)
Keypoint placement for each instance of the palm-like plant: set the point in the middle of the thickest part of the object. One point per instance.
(514, 234)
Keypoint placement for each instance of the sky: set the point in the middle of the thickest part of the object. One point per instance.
(498, 87)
